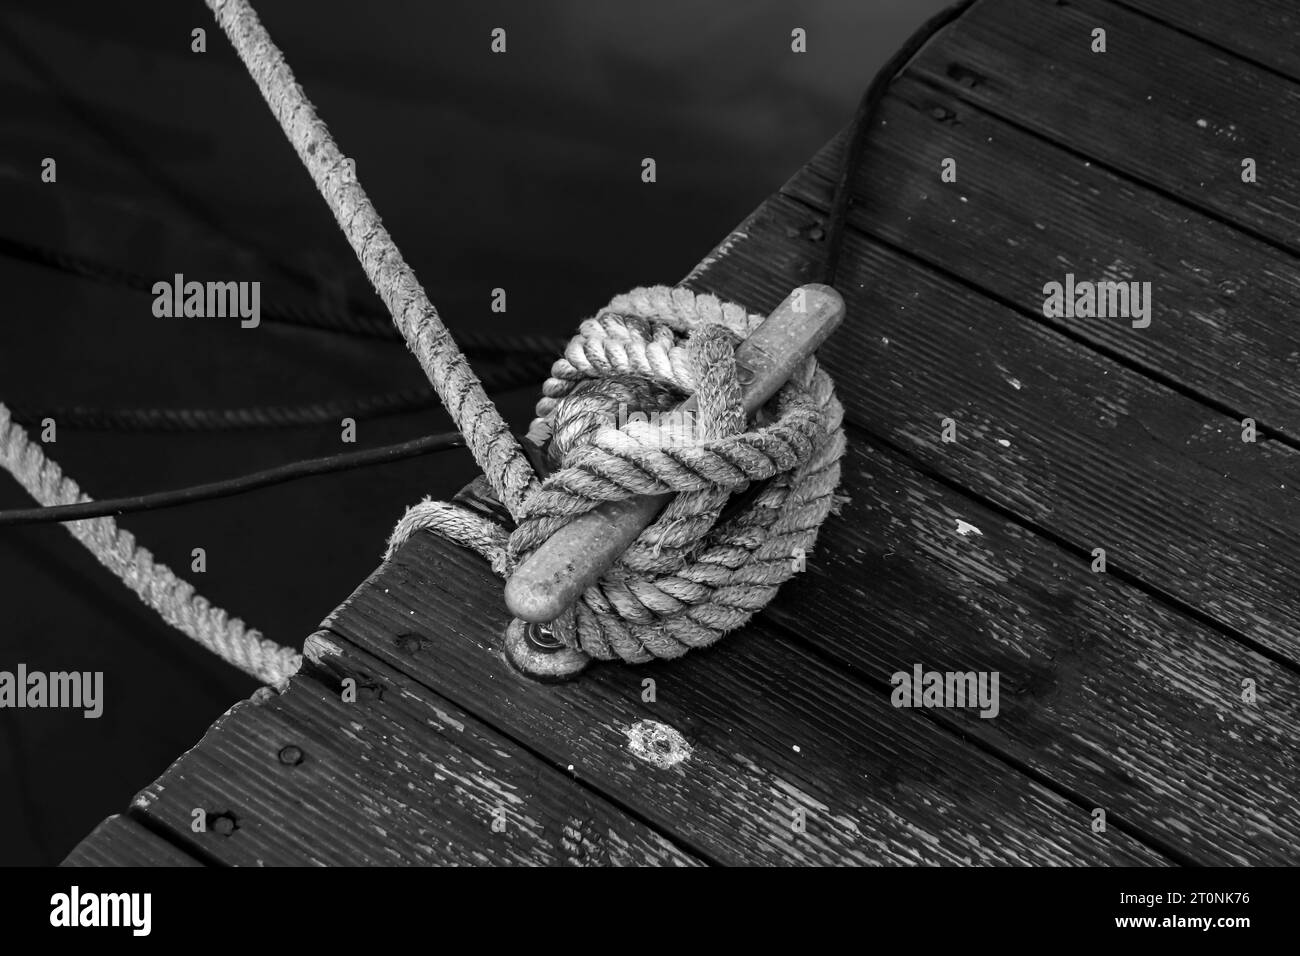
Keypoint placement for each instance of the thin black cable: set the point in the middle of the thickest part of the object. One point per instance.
(837, 220)
(233, 486)
(124, 145)
(495, 378)
(349, 318)
(94, 418)
(519, 359)
(861, 124)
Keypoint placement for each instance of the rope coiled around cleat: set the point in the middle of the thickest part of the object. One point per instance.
(605, 412)
(687, 579)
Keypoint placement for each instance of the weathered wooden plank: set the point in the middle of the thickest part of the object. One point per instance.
(776, 738)
(1109, 693)
(1222, 303)
(1070, 441)
(121, 841)
(744, 773)
(1102, 689)
(1263, 31)
(397, 776)
(1164, 107)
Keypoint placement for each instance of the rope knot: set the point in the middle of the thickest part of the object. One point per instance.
(633, 414)
(610, 414)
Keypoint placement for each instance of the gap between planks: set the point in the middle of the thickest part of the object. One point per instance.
(400, 776)
(993, 57)
(123, 841)
(1091, 406)
(759, 250)
(994, 241)
(741, 706)
(1247, 29)
(1255, 493)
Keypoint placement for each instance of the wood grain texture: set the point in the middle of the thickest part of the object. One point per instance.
(1072, 442)
(1103, 690)
(1166, 108)
(121, 841)
(396, 777)
(1111, 696)
(776, 737)
(1222, 316)
(1263, 31)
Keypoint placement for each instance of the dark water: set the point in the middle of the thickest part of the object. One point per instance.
(519, 171)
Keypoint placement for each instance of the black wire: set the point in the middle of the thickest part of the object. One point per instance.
(836, 228)
(515, 373)
(837, 221)
(125, 146)
(234, 486)
(861, 125)
(92, 418)
(349, 319)
(521, 359)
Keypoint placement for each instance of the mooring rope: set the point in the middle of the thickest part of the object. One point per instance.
(495, 377)
(489, 438)
(688, 578)
(346, 318)
(606, 411)
(684, 581)
(154, 583)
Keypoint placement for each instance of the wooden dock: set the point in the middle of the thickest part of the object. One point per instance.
(1149, 713)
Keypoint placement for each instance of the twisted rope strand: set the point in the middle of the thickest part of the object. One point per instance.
(154, 583)
(687, 579)
(496, 378)
(345, 318)
(493, 446)
(684, 582)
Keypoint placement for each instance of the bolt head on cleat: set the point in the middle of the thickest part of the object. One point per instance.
(536, 653)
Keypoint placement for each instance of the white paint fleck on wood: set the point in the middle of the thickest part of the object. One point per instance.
(657, 744)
